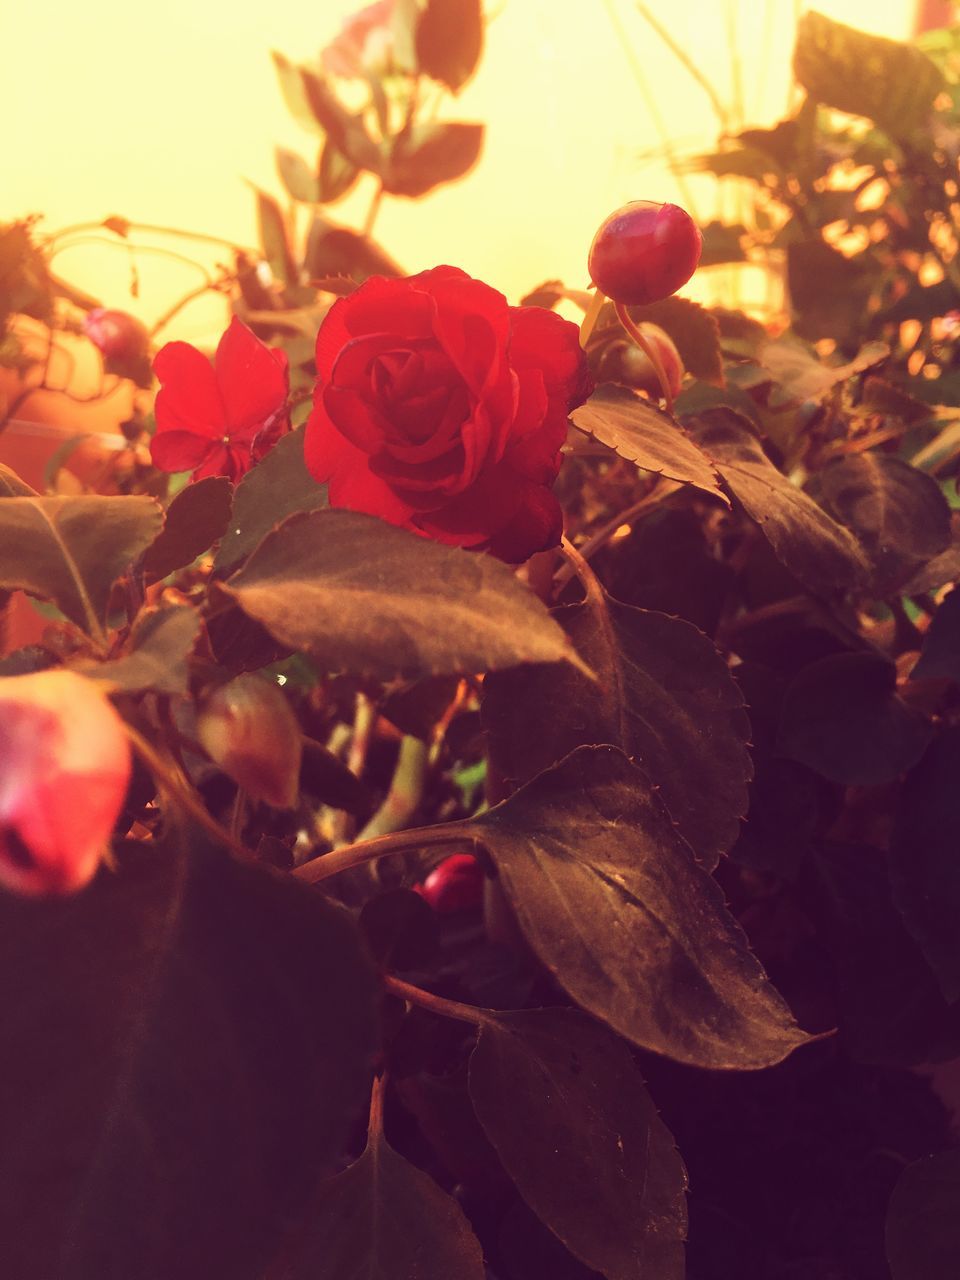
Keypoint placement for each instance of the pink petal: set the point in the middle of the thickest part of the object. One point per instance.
(188, 396)
(252, 378)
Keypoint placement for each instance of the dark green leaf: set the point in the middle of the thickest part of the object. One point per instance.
(890, 83)
(346, 131)
(664, 695)
(697, 398)
(327, 779)
(828, 292)
(297, 176)
(431, 154)
(695, 333)
(644, 434)
(338, 251)
(362, 596)
(160, 644)
(71, 550)
(561, 1099)
(803, 377)
(278, 485)
(196, 518)
(178, 1072)
(924, 866)
(450, 41)
(722, 243)
(889, 1006)
(336, 174)
(922, 302)
(898, 512)
(818, 551)
(736, 162)
(401, 929)
(612, 901)
(842, 717)
(26, 660)
(382, 1219)
(923, 1222)
(940, 655)
(274, 238)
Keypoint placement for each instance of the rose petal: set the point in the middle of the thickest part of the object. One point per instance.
(536, 526)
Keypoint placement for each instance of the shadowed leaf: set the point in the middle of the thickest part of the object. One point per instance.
(561, 1099)
(160, 643)
(613, 903)
(449, 40)
(194, 521)
(431, 154)
(923, 1225)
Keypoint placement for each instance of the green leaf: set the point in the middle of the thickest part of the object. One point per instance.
(336, 174)
(274, 238)
(553, 1083)
(695, 332)
(828, 292)
(449, 41)
(899, 513)
(736, 162)
(614, 904)
(843, 718)
(663, 694)
(431, 154)
(296, 175)
(361, 596)
(640, 432)
(178, 1072)
(346, 131)
(940, 655)
(923, 1226)
(822, 554)
(384, 1219)
(337, 251)
(275, 488)
(196, 518)
(722, 243)
(890, 83)
(294, 94)
(70, 551)
(803, 377)
(159, 646)
(923, 858)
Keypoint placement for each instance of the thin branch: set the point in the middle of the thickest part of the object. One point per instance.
(437, 1004)
(355, 855)
(686, 62)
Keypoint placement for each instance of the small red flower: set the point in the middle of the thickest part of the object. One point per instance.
(365, 43)
(441, 409)
(64, 769)
(219, 419)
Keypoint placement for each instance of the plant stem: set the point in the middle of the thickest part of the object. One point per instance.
(372, 212)
(437, 1004)
(662, 489)
(649, 350)
(375, 1123)
(169, 779)
(355, 855)
(588, 323)
(406, 790)
(588, 579)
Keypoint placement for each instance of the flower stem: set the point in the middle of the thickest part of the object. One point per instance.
(662, 489)
(406, 790)
(649, 351)
(579, 566)
(355, 855)
(437, 1004)
(589, 321)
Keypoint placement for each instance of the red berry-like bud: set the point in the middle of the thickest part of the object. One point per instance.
(118, 336)
(64, 770)
(636, 369)
(249, 730)
(644, 252)
(455, 885)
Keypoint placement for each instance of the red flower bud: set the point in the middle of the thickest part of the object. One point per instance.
(118, 336)
(249, 730)
(455, 885)
(64, 770)
(644, 252)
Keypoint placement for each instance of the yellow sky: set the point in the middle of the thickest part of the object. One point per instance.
(159, 114)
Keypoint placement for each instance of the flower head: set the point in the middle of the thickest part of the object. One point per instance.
(364, 46)
(64, 769)
(441, 409)
(219, 419)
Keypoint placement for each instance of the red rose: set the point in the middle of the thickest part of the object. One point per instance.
(441, 409)
(219, 419)
(64, 769)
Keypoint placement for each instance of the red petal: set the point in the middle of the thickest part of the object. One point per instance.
(173, 450)
(252, 378)
(188, 397)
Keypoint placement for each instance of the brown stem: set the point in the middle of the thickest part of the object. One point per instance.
(588, 579)
(437, 1004)
(372, 212)
(589, 321)
(649, 350)
(662, 489)
(355, 855)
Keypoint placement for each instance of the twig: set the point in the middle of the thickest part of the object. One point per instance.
(437, 1004)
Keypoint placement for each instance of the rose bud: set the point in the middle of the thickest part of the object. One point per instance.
(248, 729)
(456, 884)
(116, 334)
(64, 770)
(644, 252)
(627, 363)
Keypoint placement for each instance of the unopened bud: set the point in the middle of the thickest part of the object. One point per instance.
(249, 730)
